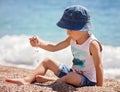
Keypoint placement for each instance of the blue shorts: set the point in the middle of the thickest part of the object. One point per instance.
(64, 70)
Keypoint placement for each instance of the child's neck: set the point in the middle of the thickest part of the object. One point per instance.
(82, 39)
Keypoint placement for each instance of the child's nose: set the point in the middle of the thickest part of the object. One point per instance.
(68, 32)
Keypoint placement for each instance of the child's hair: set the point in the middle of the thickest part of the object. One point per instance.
(75, 17)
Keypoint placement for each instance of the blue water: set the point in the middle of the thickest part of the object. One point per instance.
(20, 19)
(39, 17)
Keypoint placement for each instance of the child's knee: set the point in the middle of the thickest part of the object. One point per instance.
(46, 60)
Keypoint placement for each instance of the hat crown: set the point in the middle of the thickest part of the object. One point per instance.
(75, 18)
(76, 13)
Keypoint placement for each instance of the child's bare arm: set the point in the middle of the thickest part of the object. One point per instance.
(95, 49)
(35, 42)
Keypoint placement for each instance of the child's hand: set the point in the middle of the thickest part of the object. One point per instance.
(34, 41)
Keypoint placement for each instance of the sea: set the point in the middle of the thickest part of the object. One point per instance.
(22, 19)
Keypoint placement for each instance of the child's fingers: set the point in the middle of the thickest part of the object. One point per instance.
(30, 38)
(35, 39)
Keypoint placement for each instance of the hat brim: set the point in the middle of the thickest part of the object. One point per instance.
(72, 25)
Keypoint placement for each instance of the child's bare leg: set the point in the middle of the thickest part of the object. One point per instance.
(40, 70)
(71, 78)
(17, 81)
(40, 78)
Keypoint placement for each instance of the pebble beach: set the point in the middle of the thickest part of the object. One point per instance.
(110, 85)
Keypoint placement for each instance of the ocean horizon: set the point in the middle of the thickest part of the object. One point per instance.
(22, 19)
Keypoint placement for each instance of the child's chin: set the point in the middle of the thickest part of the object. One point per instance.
(73, 38)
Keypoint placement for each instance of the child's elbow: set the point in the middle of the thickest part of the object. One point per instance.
(53, 50)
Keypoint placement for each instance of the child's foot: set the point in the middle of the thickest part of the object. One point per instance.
(17, 81)
(41, 79)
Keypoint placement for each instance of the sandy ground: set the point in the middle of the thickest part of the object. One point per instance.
(110, 85)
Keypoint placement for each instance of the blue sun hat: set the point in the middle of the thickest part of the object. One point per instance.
(76, 18)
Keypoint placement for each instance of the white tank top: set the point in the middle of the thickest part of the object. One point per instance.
(83, 61)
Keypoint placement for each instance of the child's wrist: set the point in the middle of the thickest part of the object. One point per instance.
(39, 44)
